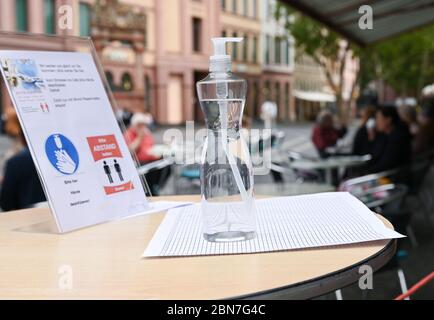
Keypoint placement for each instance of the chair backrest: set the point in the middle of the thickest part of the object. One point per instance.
(277, 139)
(392, 195)
(155, 165)
(370, 180)
(294, 155)
(419, 169)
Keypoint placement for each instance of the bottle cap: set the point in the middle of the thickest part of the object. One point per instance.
(221, 62)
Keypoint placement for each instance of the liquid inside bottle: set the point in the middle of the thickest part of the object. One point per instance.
(228, 208)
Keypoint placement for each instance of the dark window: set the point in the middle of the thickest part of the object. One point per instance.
(224, 5)
(278, 50)
(127, 82)
(256, 110)
(255, 8)
(84, 20)
(246, 8)
(50, 16)
(148, 93)
(267, 90)
(246, 48)
(126, 43)
(197, 35)
(224, 34)
(235, 47)
(277, 93)
(255, 50)
(145, 39)
(267, 49)
(288, 53)
(110, 80)
(21, 15)
(234, 6)
(287, 100)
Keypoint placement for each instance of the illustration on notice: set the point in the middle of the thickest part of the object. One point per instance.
(110, 163)
(108, 172)
(22, 74)
(62, 154)
(118, 170)
(44, 107)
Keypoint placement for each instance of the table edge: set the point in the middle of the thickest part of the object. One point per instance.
(320, 285)
(326, 283)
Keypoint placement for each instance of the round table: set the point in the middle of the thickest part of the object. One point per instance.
(337, 162)
(291, 188)
(104, 262)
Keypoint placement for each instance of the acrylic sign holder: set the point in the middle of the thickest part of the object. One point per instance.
(31, 42)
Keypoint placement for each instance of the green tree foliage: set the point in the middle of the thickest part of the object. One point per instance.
(326, 47)
(406, 62)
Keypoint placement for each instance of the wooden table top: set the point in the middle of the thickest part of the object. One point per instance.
(104, 262)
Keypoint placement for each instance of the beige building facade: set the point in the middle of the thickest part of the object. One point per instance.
(278, 62)
(154, 51)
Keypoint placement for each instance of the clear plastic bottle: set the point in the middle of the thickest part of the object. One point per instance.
(228, 208)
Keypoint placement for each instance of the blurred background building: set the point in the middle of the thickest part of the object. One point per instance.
(312, 92)
(153, 51)
(278, 62)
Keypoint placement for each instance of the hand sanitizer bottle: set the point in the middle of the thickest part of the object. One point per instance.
(228, 208)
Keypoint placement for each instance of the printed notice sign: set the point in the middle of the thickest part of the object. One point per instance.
(80, 153)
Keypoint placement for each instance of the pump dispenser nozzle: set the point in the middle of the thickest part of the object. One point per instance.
(221, 61)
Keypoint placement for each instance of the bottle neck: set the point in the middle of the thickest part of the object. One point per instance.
(220, 75)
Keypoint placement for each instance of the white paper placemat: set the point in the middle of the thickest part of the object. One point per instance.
(289, 223)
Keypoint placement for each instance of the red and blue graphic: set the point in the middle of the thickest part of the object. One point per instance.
(108, 157)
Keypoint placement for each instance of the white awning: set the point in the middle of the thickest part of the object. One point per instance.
(314, 96)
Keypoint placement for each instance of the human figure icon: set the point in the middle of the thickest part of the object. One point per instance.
(108, 172)
(119, 171)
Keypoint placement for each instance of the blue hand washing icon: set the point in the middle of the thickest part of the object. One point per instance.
(62, 154)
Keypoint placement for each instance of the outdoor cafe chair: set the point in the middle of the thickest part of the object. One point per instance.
(187, 178)
(156, 175)
(304, 175)
(389, 200)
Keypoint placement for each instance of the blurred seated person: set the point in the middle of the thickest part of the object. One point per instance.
(140, 141)
(423, 141)
(392, 146)
(325, 135)
(408, 115)
(365, 136)
(139, 138)
(12, 128)
(124, 117)
(150, 120)
(21, 187)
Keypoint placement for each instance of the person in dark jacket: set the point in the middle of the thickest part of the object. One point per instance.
(423, 141)
(21, 187)
(392, 148)
(365, 135)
